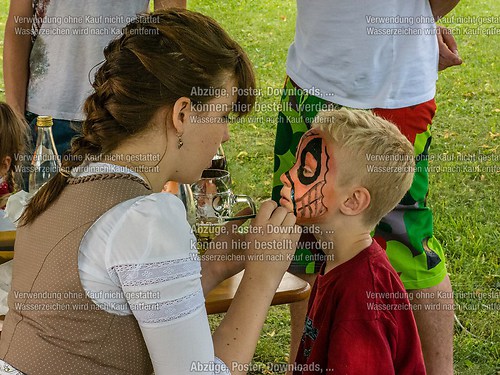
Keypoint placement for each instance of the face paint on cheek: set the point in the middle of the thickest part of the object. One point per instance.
(308, 197)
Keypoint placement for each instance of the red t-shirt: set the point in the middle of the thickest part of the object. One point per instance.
(359, 321)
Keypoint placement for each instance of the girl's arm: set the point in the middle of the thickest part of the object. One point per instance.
(236, 337)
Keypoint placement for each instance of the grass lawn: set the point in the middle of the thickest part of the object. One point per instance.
(464, 187)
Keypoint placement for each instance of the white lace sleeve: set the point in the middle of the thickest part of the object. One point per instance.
(150, 258)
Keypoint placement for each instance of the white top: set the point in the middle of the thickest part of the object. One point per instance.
(365, 54)
(140, 258)
(6, 223)
(69, 44)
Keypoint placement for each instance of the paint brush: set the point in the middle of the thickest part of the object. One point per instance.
(242, 217)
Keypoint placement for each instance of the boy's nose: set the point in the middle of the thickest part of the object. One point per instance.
(284, 179)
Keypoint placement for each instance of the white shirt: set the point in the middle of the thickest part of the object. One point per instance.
(140, 258)
(6, 223)
(67, 49)
(365, 54)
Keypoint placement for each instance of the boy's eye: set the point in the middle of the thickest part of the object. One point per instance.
(306, 171)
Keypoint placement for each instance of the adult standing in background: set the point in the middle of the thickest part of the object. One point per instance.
(50, 48)
(384, 56)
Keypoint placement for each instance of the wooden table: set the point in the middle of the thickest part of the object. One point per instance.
(291, 289)
(7, 239)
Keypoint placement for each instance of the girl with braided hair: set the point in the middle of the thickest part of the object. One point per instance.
(106, 277)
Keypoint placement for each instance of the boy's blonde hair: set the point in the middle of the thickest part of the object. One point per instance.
(13, 141)
(379, 157)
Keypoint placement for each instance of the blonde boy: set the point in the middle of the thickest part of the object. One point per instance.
(352, 168)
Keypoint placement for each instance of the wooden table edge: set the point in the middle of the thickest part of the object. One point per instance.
(7, 239)
(280, 298)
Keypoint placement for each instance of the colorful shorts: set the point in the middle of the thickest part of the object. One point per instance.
(406, 233)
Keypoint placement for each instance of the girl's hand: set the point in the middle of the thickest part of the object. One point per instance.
(272, 240)
(226, 254)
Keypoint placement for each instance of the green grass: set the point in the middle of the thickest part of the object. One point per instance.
(465, 199)
(466, 204)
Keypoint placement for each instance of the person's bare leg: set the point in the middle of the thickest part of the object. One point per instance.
(298, 311)
(434, 315)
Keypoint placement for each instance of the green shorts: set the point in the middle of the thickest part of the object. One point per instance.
(406, 232)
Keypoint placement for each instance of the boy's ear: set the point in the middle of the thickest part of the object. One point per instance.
(5, 165)
(180, 114)
(356, 202)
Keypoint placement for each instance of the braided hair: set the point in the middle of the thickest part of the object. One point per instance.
(159, 58)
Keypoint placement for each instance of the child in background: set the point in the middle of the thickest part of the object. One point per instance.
(352, 168)
(13, 141)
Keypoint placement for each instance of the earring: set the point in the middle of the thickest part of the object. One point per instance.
(179, 143)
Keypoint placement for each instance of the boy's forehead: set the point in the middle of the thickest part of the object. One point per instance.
(319, 143)
(307, 137)
(314, 132)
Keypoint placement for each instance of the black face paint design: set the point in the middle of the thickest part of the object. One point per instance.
(307, 191)
(313, 147)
